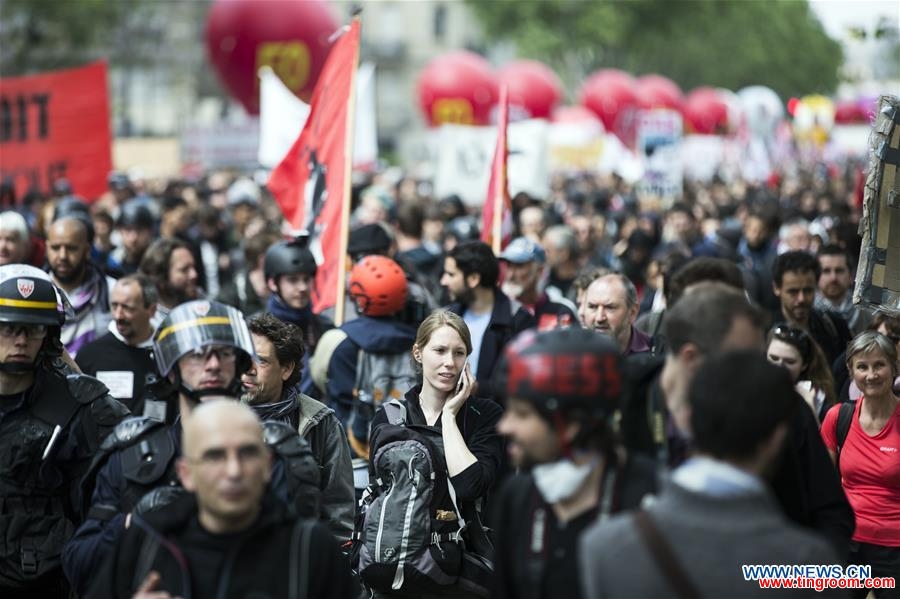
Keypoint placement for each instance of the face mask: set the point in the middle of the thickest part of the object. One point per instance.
(560, 480)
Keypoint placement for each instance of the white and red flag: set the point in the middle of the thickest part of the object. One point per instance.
(497, 222)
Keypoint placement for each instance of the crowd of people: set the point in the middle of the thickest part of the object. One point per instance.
(626, 401)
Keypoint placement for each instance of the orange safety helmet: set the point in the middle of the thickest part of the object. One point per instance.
(378, 286)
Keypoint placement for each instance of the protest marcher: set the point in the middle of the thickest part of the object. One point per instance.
(51, 422)
(794, 278)
(796, 351)
(835, 288)
(271, 389)
(14, 238)
(228, 537)
(135, 226)
(170, 264)
(526, 281)
(290, 270)
(561, 390)
(863, 438)
(711, 318)
(610, 307)
(470, 277)
(466, 452)
(201, 349)
(717, 513)
(87, 287)
(121, 358)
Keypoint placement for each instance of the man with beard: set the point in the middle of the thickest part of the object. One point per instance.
(794, 280)
(271, 389)
(561, 390)
(525, 281)
(68, 259)
(170, 263)
(835, 291)
(470, 277)
(121, 358)
(718, 512)
(610, 307)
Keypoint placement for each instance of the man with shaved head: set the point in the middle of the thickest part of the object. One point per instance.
(69, 262)
(227, 537)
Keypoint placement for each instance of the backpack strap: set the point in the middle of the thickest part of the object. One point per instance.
(395, 410)
(664, 556)
(844, 420)
(300, 544)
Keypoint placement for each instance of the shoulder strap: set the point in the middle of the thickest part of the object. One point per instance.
(395, 410)
(844, 420)
(664, 557)
(299, 571)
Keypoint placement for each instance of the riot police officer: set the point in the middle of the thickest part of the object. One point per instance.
(51, 423)
(201, 350)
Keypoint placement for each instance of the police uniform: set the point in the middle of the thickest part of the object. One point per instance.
(49, 434)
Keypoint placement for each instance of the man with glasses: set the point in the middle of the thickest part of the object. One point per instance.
(51, 423)
(229, 532)
(201, 350)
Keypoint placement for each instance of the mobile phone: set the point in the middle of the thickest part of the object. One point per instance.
(459, 382)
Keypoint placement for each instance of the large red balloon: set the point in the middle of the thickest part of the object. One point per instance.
(575, 115)
(533, 88)
(290, 36)
(848, 112)
(656, 91)
(458, 88)
(611, 95)
(705, 112)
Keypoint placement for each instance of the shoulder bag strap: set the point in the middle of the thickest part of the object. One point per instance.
(664, 557)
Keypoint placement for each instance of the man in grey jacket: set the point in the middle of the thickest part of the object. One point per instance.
(271, 389)
(717, 513)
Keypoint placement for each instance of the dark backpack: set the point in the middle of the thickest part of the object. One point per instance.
(409, 533)
(380, 377)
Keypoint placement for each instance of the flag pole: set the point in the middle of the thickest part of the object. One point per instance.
(501, 187)
(348, 173)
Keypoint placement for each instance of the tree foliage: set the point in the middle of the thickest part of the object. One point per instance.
(38, 35)
(728, 43)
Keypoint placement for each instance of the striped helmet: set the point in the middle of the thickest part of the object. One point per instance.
(28, 296)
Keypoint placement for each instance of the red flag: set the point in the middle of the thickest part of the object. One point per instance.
(312, 183)
(497, 232)
(56, 125)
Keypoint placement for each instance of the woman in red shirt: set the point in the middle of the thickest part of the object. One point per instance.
(870, 456)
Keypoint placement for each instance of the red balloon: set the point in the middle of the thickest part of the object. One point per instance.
(290, 36)
(656, 91)
(705, 112)
(459, 88)
(849, 112)
(611, 95)
(533, 87)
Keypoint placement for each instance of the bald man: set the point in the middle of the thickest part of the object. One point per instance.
(227, 537)
(69, 263)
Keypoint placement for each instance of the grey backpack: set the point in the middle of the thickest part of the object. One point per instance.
(409, 530)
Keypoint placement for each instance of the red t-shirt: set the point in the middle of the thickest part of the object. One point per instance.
(870, 473)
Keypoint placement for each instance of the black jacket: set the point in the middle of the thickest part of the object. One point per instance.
(256, 563)
(805, 481)
(508, 319)
(477, 421)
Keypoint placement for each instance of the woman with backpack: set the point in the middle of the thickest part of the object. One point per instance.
(864, 440)
(434, 457)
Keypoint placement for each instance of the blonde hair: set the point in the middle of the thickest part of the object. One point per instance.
(443, 318)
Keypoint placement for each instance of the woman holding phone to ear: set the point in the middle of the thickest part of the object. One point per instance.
(444, 400)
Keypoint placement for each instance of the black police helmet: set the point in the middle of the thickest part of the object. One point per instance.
(136, 214)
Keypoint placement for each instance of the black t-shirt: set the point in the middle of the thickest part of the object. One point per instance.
(206, 553)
